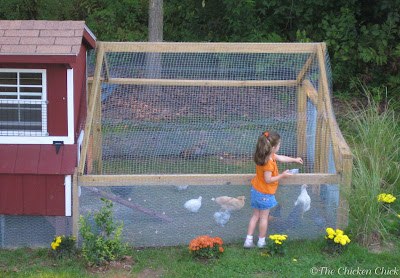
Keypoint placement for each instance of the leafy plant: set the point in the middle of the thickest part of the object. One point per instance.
(336, 241)
(101, 239)
(277, 244)
(63, 246)
(206, 247)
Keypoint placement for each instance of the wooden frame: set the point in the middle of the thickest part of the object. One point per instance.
(328, 133)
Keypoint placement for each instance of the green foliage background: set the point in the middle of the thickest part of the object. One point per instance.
(362, 36)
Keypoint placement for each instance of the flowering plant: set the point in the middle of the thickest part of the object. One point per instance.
(386, 198)
(206, 247)
(336, 240)
(277, 244)
(63, 246)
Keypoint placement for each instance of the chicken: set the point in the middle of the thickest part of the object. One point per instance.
(222, 217)
(194, 152)
(193, 205)
(303, 200)
(230, 203)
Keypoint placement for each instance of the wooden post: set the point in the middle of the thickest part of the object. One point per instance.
(92, 103)
(343, 209)
(318, 128)
(328, 107)
(301, 122)
(97, 138)
(75, 204)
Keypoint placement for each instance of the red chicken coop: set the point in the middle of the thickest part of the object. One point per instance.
(42, 112)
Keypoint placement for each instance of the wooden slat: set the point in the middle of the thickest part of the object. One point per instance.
(199, 179)
(343, 209)
(328, 107)
(75, 204)
(301, 122)
(106, 67)
(318, 128)
(97, 137)
(187, 47)
(311, 91)
(90, 112)
(187, 82)
(306, 66)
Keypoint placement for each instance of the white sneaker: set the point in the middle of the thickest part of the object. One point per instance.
(248, 244)
(261, 244)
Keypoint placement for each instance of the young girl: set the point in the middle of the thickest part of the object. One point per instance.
(265, 183)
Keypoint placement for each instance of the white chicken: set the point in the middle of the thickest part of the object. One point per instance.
(193, 205)
(230, 203)
(222, 217)
(303, 200)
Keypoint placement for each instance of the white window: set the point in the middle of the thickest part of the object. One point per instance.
(23, 103)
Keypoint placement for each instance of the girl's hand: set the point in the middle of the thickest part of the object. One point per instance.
(286, 174)
(298, 160)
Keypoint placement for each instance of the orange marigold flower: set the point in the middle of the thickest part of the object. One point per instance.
(221, 249)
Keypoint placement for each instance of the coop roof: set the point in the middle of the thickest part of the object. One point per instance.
(44, 37)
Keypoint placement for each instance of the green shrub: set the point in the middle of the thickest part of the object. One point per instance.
(101, 239)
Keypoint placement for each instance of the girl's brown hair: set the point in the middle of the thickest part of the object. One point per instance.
(264, 147)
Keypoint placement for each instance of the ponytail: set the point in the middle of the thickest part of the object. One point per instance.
(264, 146)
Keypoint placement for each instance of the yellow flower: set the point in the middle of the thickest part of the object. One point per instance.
(386, 198)
(294, 260)
(398, 215)
(330, 231)
(339, 232)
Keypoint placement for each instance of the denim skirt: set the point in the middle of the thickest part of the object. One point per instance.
(262, 201)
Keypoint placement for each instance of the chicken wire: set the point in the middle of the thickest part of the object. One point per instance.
(32, 230)
(156, 216)
(151, 128)
(203, 126)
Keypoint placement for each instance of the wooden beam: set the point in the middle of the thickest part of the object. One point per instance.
(328, 107)
(106, 67)
(97, 137)
(205, 47)
(90, 112)
(199, 179)
(301, 122)
(343, 209)
(310, 91)
(303, 71)
(75, 204)
(318, 128)
(128, 204)
(187, 82)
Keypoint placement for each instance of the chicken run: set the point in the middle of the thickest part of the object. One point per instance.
(171, 128)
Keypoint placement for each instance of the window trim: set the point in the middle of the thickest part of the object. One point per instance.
(46, 139)
(42, 101)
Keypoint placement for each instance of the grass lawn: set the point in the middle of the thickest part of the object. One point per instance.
(235, 262)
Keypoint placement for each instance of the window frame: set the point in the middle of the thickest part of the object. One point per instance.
(49, 139)
(43, 101)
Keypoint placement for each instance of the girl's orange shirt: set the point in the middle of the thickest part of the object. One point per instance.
(259, 183)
